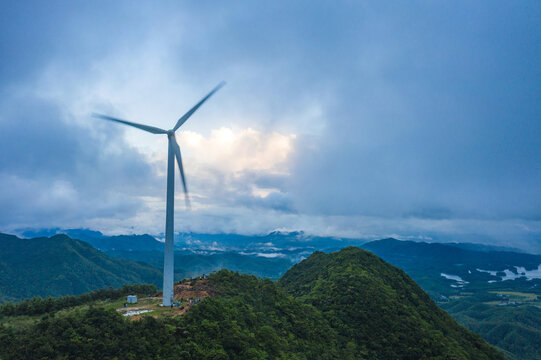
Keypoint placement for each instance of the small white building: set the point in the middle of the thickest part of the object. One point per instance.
(132, 299)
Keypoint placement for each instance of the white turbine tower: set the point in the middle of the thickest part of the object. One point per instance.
(174, 151)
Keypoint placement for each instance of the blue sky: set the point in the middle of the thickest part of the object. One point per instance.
(418, 119)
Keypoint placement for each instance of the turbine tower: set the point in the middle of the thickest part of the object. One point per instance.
(173, 152)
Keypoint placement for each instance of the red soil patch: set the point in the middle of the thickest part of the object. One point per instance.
(199, 290)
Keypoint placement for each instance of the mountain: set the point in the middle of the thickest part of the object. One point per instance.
(81, 234)
(378, 310)
(344, 305)
(276, 242)
(483, 247)
(189, 265)
(101, 242)
(60, 265)
(295, 245)
(496, 294)
(443, 269)
(454, 254)
(125, 243)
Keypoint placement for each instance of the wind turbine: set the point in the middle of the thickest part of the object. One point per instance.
(173, 152)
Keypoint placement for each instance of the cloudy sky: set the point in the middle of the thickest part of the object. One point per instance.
(418, 119)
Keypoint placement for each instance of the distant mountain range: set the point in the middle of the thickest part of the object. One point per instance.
(101, 242)
(444, 269)
(191, 265)
(463, 265)
(294, 246)
(483, 247)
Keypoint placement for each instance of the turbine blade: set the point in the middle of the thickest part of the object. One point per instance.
(185, 117)
(150, 129)
(179, 162)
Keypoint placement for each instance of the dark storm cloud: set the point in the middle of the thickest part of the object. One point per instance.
(416, 119)
(443, 120)
(53, 171)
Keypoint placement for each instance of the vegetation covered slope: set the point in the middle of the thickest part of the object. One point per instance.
(517, 329)
(345, 305)
(378, 311)
(251, 319)
(505, 313)
(60, 265)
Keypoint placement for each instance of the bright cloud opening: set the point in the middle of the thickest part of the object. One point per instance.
(235, 151)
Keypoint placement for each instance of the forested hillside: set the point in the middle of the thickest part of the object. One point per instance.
(378, 310)
(345, 305)
(516, 329)
(494, 293)
(60, 265)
